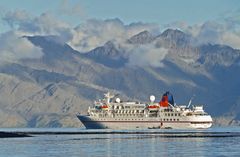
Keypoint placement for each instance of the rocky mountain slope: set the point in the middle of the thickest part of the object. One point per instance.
(49, 91)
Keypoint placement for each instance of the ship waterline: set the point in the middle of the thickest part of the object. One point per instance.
(106, 114)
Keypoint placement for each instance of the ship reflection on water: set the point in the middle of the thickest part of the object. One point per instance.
(155, 145)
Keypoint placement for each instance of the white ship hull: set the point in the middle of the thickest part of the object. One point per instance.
(192, 122)
(107, 114)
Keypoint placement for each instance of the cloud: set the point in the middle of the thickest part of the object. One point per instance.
(210, 32)
(93, 33)
(13, 47)
(16, 18)
(225, 32)
(85, 37)
(232, 39)
(232, 19)
(44, 24)
(147, 55)
(219, 33)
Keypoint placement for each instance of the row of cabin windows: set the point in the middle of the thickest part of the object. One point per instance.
(102, 115)
(168, 110)
(124, 119)
(129, 111)
(172, 114)
(170, 119)
(118, 107)
(105, 115)
(142, 119)
(166, 114)
(127, 115)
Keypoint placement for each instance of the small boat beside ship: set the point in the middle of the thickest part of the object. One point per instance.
(112, 113)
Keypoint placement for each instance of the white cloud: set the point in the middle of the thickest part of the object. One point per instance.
(232, 39)
(16, 18)
(147, 55)
(95, 33)
(210, 32)
(14, 47)
(225, 32)
(45, 24)
(84, 37)
(219, 33)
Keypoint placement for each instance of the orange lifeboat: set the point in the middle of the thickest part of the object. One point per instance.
(153, 107)
(104, 107)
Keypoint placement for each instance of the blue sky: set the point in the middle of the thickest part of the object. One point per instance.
(161, 11)
(149, 11)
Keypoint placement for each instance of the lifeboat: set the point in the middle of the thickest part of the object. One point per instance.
(104, 107)
(153, 107)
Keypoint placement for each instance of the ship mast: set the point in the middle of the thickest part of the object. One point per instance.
(190, 101)
(108, 97)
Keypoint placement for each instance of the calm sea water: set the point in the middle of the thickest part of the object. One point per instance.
(149, 145)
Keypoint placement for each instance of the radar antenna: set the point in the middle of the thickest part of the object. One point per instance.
(152, 98)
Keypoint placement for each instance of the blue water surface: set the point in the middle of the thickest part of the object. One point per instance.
(117, 145)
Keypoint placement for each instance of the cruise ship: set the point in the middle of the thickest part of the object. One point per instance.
(112, 113)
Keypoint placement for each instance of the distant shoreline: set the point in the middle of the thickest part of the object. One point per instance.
(12, 135)
(157, 132)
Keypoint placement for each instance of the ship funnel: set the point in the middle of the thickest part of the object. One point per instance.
(167, 99)
(152, 98)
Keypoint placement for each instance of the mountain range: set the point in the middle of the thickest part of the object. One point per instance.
(49, 91)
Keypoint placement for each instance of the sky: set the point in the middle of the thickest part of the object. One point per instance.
(87, 24)
(129, 11)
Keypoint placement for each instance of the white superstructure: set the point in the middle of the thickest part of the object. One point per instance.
(134, 115)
